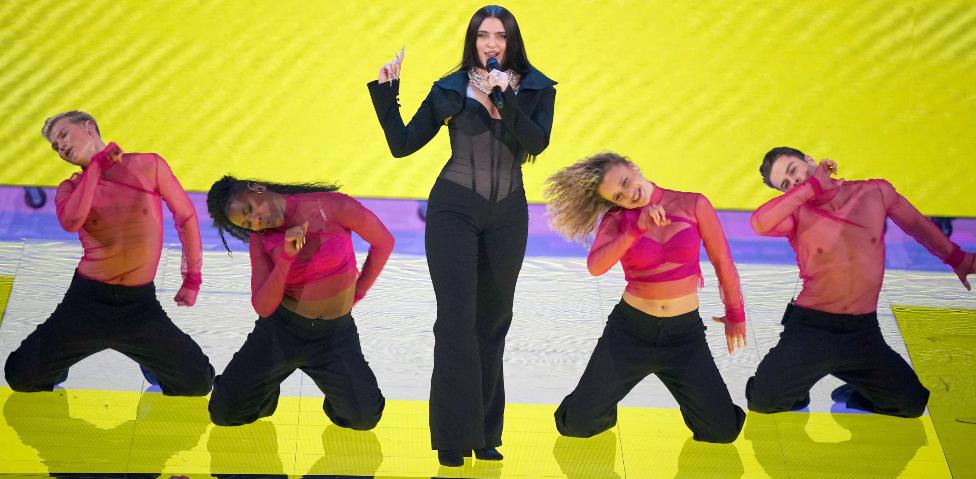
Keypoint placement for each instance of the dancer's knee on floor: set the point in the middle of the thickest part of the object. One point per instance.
(226, 410)
(766, 402)
(913, 405)
(199, 385)
(24, 377)
(569, 426)
(224, 415)
(362, 418)
(720, 436)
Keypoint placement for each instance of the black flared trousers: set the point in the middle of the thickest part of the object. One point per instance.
(474, 252)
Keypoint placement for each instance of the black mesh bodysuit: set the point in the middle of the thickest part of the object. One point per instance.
(483, 154)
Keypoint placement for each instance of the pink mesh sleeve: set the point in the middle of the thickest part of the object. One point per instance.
(616, 234)
(357, 218)
(267, 276)
(775, 217)
(74, 201)
(185, 219)
(913, 222)
(717, 248)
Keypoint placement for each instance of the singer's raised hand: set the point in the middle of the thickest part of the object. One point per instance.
(391, 71)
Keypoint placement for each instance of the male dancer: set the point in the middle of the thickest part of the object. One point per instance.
(114, 205)
(836, 228)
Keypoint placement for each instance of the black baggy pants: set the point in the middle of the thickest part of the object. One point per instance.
(94, 316)
(635, 344)
(328, 351)
(814, 344)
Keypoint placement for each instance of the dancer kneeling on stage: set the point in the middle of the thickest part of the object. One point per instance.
(114, 206)
(656, 234)
(836, 228)
(304, 283)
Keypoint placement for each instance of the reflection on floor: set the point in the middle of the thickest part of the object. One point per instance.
(69, 431)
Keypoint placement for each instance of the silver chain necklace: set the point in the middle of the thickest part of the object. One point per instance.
(480, 82)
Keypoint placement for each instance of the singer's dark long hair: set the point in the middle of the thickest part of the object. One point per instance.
(224, 190)
(515, 57)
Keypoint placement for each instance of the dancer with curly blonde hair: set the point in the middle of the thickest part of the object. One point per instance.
(656, 235)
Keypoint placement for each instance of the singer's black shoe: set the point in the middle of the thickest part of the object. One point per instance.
(452, 457)
(488, 454)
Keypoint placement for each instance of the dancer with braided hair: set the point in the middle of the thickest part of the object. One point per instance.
(304, 283)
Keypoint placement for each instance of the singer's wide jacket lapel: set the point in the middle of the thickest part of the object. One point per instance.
(447, 98)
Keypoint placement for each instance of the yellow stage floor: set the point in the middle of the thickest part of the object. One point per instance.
(119, 431)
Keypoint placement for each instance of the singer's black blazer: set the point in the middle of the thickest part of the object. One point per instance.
(527, 116)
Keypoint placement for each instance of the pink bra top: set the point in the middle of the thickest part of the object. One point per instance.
(333, 255)
(664, 261)
(646, 254)
(326, 264)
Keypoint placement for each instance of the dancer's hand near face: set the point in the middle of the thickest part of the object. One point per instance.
(652, 215)
(824, 173)
(295, 239)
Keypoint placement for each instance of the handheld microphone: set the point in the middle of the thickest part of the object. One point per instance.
(496, 92)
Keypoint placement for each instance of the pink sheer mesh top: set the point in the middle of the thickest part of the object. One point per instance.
(115, 208)
(838, 236)
(663, 262)
(326, 264)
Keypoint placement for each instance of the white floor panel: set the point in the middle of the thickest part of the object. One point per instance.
(560, 311)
